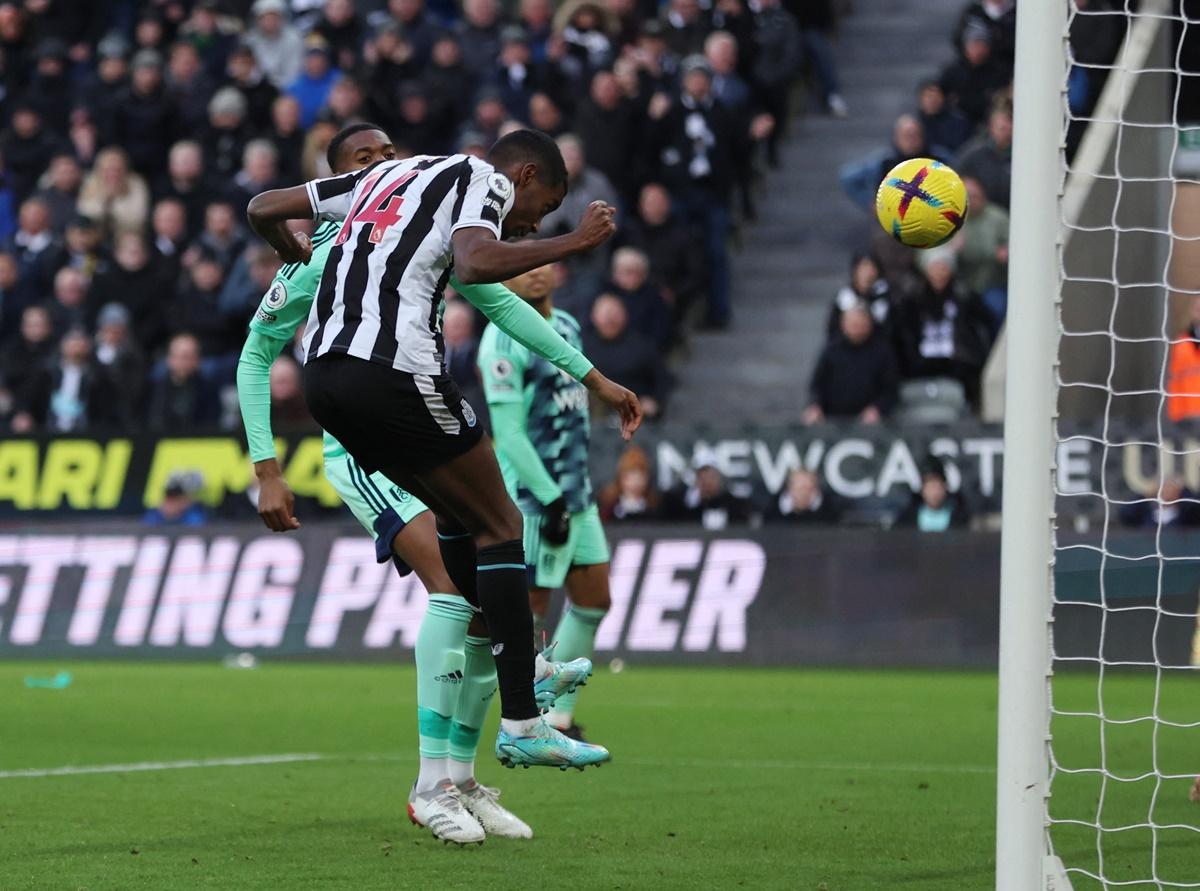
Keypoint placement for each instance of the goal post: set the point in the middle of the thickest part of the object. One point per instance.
(1026, 551)
(1099, 708)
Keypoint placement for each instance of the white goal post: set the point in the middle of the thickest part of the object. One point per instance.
(1026, 554)
(1104, 250)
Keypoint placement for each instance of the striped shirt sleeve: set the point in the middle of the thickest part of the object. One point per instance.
(331, 197)
(488, 199)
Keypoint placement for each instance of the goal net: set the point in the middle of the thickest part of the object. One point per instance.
(1121, 747)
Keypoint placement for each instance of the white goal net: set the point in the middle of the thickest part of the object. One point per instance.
(1123, 745)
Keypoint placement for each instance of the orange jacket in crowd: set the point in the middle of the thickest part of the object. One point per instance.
(1183, 379)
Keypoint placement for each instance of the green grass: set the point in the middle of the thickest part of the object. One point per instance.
(757, 779)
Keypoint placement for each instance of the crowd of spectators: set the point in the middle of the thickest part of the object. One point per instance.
(704, 498)
(136, 131)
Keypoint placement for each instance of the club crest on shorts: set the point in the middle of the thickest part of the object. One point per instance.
(500, 184)
(277, 296)
(468, 413)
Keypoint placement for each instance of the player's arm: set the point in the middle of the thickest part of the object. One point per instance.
(268, 212)
(480, 257)
(275, 499)
(526, 326)
(503, 381)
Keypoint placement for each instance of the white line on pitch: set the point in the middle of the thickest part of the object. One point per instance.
(746, 764)
(75, 770)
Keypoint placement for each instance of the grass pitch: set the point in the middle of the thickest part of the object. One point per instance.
(722, 778)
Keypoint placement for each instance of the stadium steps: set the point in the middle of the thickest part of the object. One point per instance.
(796, 255)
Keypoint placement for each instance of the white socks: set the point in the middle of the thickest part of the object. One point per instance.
(462, 772)
(520, 728)
(432, 772)
(559, 719)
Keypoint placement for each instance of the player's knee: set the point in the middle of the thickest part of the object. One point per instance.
(503, 525)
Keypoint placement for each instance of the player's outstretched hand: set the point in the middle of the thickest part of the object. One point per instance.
(276, 504)
(623, 401)
(300, 251)
(596, 225)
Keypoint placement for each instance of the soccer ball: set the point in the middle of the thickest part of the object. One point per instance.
(921, 203)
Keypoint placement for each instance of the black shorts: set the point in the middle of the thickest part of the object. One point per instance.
(389, 420)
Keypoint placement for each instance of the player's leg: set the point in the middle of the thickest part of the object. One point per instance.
(405, 532)
(548, 564)
(590, 600)
(473, 493)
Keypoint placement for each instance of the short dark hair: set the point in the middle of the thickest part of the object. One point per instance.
(530, 147)
(335, 144)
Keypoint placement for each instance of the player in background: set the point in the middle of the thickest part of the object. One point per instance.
(375, 375)
(456, 675)
(541, 429)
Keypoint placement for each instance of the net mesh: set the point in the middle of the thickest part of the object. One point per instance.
(1124, 738)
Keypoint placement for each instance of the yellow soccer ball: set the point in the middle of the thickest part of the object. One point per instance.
(921, 203)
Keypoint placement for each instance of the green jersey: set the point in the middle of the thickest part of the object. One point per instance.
(284, 309)
(555, 407)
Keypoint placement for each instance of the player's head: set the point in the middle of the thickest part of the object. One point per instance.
(358, 146)
(535, 165)
(535, 285)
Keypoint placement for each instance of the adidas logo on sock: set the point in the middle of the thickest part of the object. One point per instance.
(453, 677)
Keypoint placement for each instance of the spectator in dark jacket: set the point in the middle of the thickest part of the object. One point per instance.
(625, 355)
(606, 123)
(944, 124)
(972, 80)
(144, 120)
(988, 157)
(802, 502)
(999, 19)
(50, 90)
(647, 309)
(694, 142)
(135, 281)
(479, 35)
(343, 32)
(188, 86)
(934, 508)
(677, 264)
(68, 302)
(183, 398)
(942, 330)
(1172, 507)
(187, 182)
(60, 190)
(226, 133)
(778, 53)
(856, 373)
(28, 147)
(706, 500)
(196, 309)
(70, 394)
(38, 250)
(28, 351)
(179, 506)
(14, 296)
(123, 360)
(244, 75)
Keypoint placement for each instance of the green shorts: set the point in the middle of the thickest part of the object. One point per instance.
(549, 564)
(382, 507)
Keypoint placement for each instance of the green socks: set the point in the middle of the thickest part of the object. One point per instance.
(575, 637)
(440, 663)
(474, 697)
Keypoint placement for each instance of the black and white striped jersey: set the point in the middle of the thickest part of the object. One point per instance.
(381, 291)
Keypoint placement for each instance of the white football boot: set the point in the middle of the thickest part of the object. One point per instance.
(482, 801)
(441, 811)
